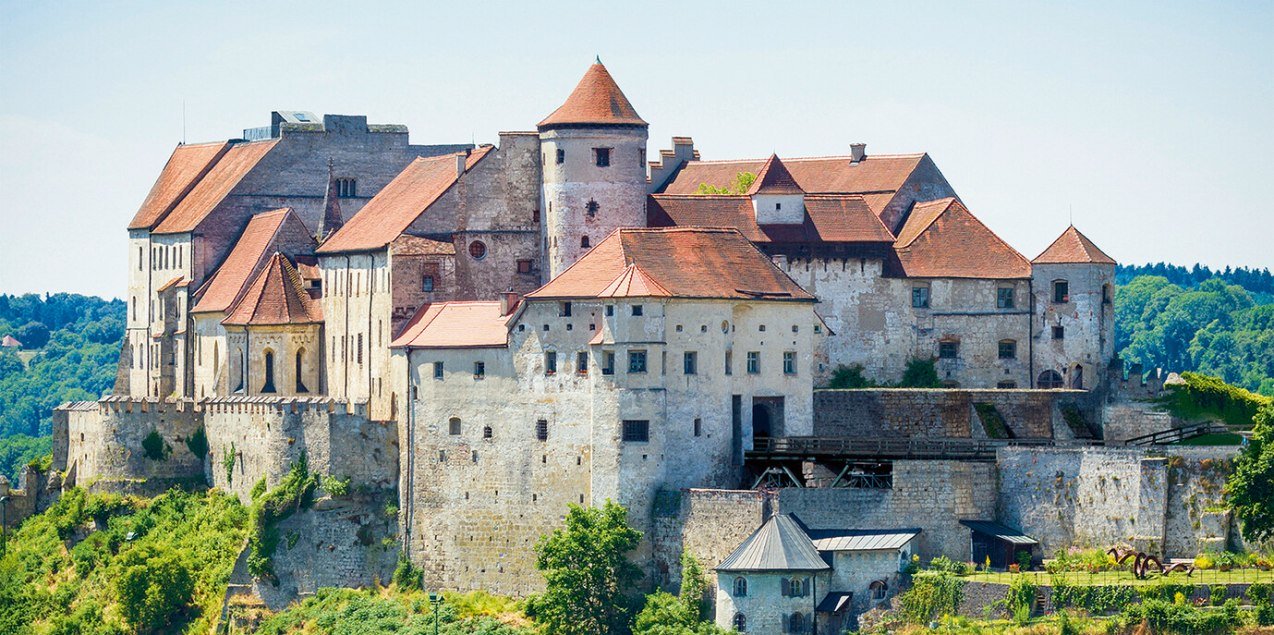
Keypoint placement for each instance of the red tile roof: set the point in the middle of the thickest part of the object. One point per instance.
(828, 218)
(596, 100)
(276, 297)
(878, 177)
(1072, 247)
(774, 179)
(455, 325)
(248, 256)
(10, 342)
(185, 167)
(942, 239)
(399, 204)
(693, 262)
(634, 283)
(179, 281)
(214, 186)
(408, 245)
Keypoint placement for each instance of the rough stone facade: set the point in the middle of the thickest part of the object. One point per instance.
(939, 413)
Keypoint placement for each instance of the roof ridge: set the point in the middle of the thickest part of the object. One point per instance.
(919, 232)
(818, 157)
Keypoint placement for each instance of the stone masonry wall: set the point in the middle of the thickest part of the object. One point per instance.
(907, 412)
(100, 444)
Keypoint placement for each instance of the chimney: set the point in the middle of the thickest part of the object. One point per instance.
(857, 152)
(509, 303)
(461, 159)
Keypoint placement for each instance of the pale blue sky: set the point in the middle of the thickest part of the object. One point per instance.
(1153, 121)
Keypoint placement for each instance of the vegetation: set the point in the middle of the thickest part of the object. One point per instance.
(19, 450)
(588, 577)
(682, 614)
(741, 183)
(920, 373)
(109, 564)
(398, 610)
(1258, 282)
(295, 492)
(932, 594)
(1204, 396)
(992, 421)
(1249, 490)
(1020, 600)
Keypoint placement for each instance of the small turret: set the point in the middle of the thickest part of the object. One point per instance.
(1074, 284)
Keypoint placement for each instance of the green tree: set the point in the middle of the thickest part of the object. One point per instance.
(740, 185)
(588, 576)
(1250, 487)
(32, 335)
(683, 614)
(920, 373)
(153, 586)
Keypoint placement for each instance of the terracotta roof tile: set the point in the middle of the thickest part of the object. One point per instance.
(1073, 247)
(634, 283)
(10, 341)
(596, 100)
(408, 245)
(455, 325)
(774, 179)
(185, 167)
(214, 186)
(828, 218)
(276, 297)
(399, 204)
(691, 262)
(250, 253)
(179, 281)
(942, 239)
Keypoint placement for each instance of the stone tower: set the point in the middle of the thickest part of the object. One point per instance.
(594, 153)
(1074, 284)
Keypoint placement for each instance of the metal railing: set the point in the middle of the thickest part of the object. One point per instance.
(1199, 578)
(1173, 435)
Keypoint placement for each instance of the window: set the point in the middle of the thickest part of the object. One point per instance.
(878, 590)
(636, 361)
(453, 426)
(346, 188)
(636, 431)
(524, 266)
(487, 432)
(140, 258)
(690, 363)
(1049, 380)
(948, 349)
(300, 384)
(542, 430)
(602, 156)
(564, 309)
(729, 362)
(561, 156)
(359, 351)
(1004, 298)
(1105, 294)
(268, 386)
(437, 370)
(698, 427)
(1061, 292)
(610, 310)
(637, 310)
(479, 370)
(550, 362)
(754, 362)
(796, 623)
(608, 363)
(583, 242)
(427, 284)
(1059, 333)
(1006, 384)
(581, 362)
(741, 622)
(778, 206)
(1008, 349)
(478, 250)
(592, 208)
(920, 297)
(795, 587)
(789, 363)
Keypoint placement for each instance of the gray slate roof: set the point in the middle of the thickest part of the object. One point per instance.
(1001, 532)
(779, 545)
(861, 539)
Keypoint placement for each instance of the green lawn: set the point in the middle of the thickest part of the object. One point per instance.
(1219, 438)
(1080, 578)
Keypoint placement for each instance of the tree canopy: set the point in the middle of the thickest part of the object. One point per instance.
(1250, 488)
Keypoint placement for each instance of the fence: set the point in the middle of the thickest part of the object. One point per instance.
(1202, 577)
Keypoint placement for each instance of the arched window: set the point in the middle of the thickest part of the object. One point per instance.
(1049, 380)
(453, 426)
(879, 589)
(268, 385)
(1105, 294)
(583, 242)
(740, 623)
(1077, 377)
(300, 382)
(740, 587)
(796, 623)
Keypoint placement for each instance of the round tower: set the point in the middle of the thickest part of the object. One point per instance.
(593, 150)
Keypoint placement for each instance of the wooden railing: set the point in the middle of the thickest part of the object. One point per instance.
(1173, 435)
(883, 447)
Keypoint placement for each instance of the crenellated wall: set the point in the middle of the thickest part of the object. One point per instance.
(101, 444)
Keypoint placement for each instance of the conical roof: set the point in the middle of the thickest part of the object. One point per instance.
(774, 179)
(596, 100)
(779, 545)
(275, 297)
(1072, 247)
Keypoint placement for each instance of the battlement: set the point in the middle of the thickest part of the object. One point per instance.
(1132, 382)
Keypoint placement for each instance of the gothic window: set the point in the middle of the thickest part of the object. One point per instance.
(602, 156)
(1049, 380)
(592, 207)
(740, 587)
(949, 349)
(478, 250)
(542, 430)
(1061, 292)
(740, 621)
(583, 242)
(1004, 298)
(453, 426)
(1008, 349)
(636, 431)
(300, 383)
(268, 386)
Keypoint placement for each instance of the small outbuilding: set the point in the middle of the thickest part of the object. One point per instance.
(10, 341)
(1001, 544)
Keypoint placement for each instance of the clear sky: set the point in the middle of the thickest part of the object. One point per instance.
(1151, 123)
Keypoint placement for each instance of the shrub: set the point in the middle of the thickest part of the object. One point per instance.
(1020, 599)
(154, 447)
(931, 595)
(391, 510)
(849, 377)
(1216, 595)
(257, 490)
(1024, 560)
(295, 491)
(1094, 599)
(153, 586)
(921, 373)
(1203, 562)
(198, 443)
(227, 462)
(1207, 396)
(944, 564)
(407, 575)
(335, 487)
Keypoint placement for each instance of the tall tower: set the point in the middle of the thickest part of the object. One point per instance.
(1074, 284)
(594, 153)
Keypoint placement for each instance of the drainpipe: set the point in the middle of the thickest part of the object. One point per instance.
(1030, 333)
(345, 343)
(371, 291)
(409, 500)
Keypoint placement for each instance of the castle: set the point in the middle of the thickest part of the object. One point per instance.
(488, 334)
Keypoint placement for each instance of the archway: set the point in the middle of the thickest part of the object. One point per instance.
(760, 421)
(1077, 377)
(1049, 380)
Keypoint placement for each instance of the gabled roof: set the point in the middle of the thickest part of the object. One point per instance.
(634, 283)
(215, 185)
(779, 545)
(276, 297)
(186, 165)
(942, 239)
(828, 218)
(249, 254)
(694, 262)
(399, 204)
(774, 179)
(455, 325)
(1072, 247)
(861, 539)
(596, 100)
(10, 341)
(999, 532)
(877, 177)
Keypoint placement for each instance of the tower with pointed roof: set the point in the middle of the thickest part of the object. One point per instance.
(1073, 281)
(593, 149)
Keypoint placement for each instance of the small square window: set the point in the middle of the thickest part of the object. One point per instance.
(550, 362)
(542, 430)
(479, 370)
(1004, 298)
(637, 310)
(581, 362)
(948, 350)
(1008, 349)
(789, 363)
(427, 284)
(690, 362)
(583, 242)
(920, 297)
(636, 431)
(1059, 333)
(437, 370)
(603, 157)
(636, 361)
(524, 266)
(453, 427)
(487, 433)
(754, 362)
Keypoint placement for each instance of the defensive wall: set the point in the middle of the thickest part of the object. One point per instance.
(948, 412)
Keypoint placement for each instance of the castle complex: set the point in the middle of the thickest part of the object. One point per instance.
(491, 333)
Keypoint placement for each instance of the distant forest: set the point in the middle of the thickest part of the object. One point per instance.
(1258, 282)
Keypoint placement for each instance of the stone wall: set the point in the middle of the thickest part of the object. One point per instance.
(930, 413)
(100, 445)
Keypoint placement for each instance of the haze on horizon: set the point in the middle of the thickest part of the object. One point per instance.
(1147, 123)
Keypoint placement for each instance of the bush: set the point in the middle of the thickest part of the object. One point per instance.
(407, 576)
(1020, 600)
(335, 487)
(227, 461)
(1183, 619)
(154, 447)
(932, 595)
(153, 587)
(944, 564)
(849, 377)
(198, 443)
(295, 491)
(921, 373)
(1203, 562)
(1094, 599)
(257, 490)
(1207, 396)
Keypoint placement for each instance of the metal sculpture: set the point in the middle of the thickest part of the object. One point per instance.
(1142, 563)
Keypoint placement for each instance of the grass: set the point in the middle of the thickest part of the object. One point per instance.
(1106, 578)
(392, 610)
(1216, 438)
